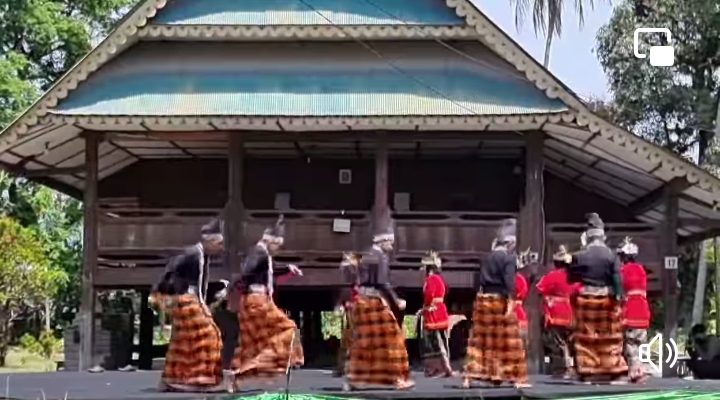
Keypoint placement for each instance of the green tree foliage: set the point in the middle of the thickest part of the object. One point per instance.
(41, 39)
(57, 219)
(672, 106)
(46, 346)
(27, 277)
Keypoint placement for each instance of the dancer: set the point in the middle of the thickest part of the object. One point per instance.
(521, 293)
(350, 268)
(435, 324)
(598, 336)
(193, 361)
(228, 301)
(377, 354)
(636, 311)
(267, 335)
(556, 292)
(495, 350)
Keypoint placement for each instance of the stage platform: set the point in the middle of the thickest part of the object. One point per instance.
(142, 385)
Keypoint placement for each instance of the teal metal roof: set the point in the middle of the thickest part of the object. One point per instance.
(294, 12)
(326, 92)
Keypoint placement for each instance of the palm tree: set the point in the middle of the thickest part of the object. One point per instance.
(547, 18)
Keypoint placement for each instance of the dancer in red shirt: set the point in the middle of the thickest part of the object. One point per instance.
(636, 310)
(557, 292)
(435, 320)
(522, 290)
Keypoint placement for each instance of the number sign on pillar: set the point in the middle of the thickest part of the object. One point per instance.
(671, 263)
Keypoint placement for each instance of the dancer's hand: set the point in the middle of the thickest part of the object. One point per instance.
(401, 304)
(295, 270)
(510, 308)
(221, 295)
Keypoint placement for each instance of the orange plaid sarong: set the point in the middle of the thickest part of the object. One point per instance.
(194, 353)
(598, 336)
(268, 340)
(495, 350)
(377, 353)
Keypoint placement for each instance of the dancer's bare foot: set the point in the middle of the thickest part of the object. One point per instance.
(228, 381)
(162, 387)
(405, 385)
(347, 387)
(466, 383)
(523, 385)
(569, 374)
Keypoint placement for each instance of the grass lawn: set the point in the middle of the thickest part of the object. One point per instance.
(19, 360)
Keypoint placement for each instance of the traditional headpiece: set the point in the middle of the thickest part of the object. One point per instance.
(276, 233)
(525, 258)
(349, 266)
(627, 247)
(506, 232)
(562, 255)
(432, 259)
(595, 228)
(384, 231)
(212, 231)
(350, 259)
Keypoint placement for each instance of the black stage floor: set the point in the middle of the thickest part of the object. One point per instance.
(142, 385)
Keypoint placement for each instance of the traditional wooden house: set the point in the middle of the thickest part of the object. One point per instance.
(333, 112)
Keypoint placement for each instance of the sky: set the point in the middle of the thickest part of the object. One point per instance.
(572, 59)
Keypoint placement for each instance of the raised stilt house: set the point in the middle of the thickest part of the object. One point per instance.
(331, 112)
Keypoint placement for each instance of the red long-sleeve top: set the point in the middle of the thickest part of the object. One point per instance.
(636, 310)
(556, 292)
(354, 293)
(434, 292)
(521, 293)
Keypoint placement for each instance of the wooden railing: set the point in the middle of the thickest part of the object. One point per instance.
(140, 238)
(646, 236)
(133, 237)
(308, 233)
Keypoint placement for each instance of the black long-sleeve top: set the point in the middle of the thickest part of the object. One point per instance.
(183, 271)
(376, 273)
(497, 274)
(256, 269)
(597, 266)
(350, 279)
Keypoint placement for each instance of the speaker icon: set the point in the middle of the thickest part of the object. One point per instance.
(671, 353)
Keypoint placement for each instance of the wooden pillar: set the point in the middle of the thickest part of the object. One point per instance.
(234, 235)
(90, 252)
(145, 336)
(306, 332)
(532, 234)
(381, 209)
(317, 326)
(669, 276)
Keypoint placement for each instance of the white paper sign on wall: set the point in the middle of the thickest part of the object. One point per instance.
(671, 263)
(341, 225)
